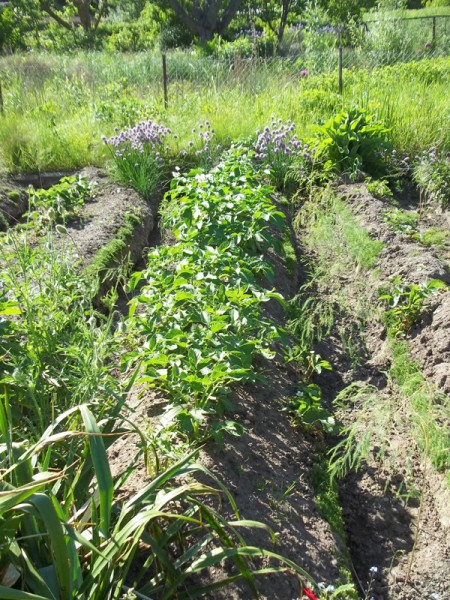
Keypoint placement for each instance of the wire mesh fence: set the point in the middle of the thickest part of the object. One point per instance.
(182, 75)
(381, 43)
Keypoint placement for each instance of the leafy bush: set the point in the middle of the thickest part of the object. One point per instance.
(130, 37)
(352, 143)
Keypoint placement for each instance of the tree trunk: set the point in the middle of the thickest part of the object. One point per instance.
(84, 13)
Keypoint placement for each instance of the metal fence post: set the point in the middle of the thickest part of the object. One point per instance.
(2, 108)
(340, 69)
(433, 33)
(164, 70)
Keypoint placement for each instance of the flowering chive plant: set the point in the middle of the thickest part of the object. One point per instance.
(275, 147)
(137, 155)
(204, 146)
(278, 148)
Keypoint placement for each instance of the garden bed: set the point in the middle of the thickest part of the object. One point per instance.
(396, 505)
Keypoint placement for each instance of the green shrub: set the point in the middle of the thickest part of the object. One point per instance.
(351, 143)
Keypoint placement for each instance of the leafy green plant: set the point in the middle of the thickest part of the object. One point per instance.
(352, 142)
(61, 202)
(379, 188)
(200, 308)
(307, 406)
(407, 303)
(399, 220)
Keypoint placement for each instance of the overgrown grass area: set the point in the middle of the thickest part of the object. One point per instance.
(430, 410)
(418, 13)
(338, 245)
(57, 108)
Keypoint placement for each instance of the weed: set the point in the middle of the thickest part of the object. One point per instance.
(436, 238)
(376, 417)
(308, 409)
(399, 220)
(407, 303)
(430, 409)
(103, 268)
(379, 188)
(431, 173)
(59, 203)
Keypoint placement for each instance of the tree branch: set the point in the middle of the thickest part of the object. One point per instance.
(228, 15)
(48, 9)
(185, 17)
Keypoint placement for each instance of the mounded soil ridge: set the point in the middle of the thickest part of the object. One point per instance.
(403, 536)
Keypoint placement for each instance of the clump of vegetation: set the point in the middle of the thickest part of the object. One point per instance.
(277, 148)
(137, 155)
(379, 188)
(61, 202)
(407, 303)
(351, 143)
(431, 173)
(399, 220)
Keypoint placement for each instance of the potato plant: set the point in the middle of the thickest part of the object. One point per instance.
(200, 310)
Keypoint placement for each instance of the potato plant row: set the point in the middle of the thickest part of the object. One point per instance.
(200, 310)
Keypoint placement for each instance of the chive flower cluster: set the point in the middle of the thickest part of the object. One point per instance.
(146, 134)
(278, 139)
(206, 135)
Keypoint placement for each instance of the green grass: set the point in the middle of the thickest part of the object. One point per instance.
(341, 260)
(104, 267)
(57, 108)
(427, 11)
(334, 232)
(430, 410)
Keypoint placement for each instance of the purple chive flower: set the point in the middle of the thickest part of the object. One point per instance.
(146, 134)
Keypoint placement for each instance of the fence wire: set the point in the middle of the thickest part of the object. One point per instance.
(382, 43)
